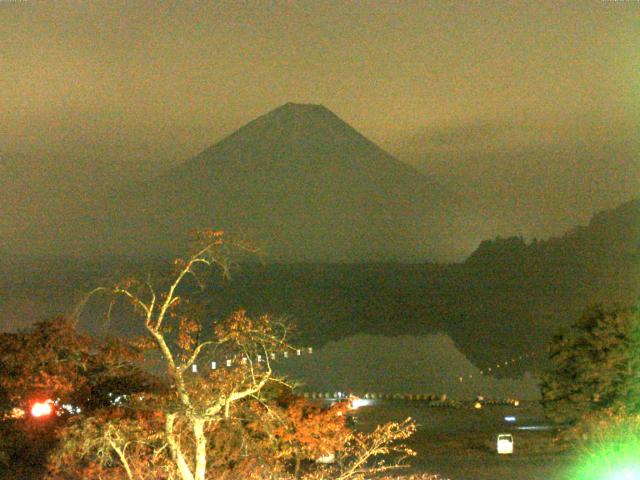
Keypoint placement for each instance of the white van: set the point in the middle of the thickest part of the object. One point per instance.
(505, 443)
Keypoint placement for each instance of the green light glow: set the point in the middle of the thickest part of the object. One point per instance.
(630, 473)
(618, 459)
(607, 470)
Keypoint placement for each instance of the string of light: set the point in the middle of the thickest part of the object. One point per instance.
(298, 352)
(259, 358)
(498, 365)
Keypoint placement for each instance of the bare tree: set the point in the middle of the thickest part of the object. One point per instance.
(193, 403)
(194, 422)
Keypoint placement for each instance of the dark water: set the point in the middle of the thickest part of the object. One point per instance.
(465, 419)
(460, 443)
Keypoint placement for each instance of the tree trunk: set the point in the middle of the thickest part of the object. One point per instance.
(201, 448)
(176, 451)
(123, 458)
(296, 471)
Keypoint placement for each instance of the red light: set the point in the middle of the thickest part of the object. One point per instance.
(42, 409)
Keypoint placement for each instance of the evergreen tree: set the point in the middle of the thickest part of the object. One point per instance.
(594, 365)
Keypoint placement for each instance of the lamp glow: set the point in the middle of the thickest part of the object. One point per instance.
(42, 409)
(360, 402)
(629, 473)
(616, 457)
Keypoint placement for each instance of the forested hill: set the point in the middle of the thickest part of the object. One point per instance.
(612, 237)
(600, 261)
(510, 296)
(525, 291)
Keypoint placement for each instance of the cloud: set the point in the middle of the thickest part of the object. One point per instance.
(535, 178)
(469, 134)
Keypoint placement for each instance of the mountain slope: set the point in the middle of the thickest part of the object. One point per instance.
(301, 183)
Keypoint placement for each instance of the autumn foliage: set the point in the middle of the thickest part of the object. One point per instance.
(52, 360)
(237, 421)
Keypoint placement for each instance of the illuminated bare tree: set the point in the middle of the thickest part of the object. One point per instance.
(195, 424)
(193, 404)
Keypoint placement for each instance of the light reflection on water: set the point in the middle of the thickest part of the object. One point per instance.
(529, 416)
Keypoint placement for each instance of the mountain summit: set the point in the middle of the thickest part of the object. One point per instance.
(301, 133)
(299, 182)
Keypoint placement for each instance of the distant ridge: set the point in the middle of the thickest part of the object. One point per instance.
(299, 182)
(611, 237)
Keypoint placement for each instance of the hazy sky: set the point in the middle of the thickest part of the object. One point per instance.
(160, 67)
(121, 87)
